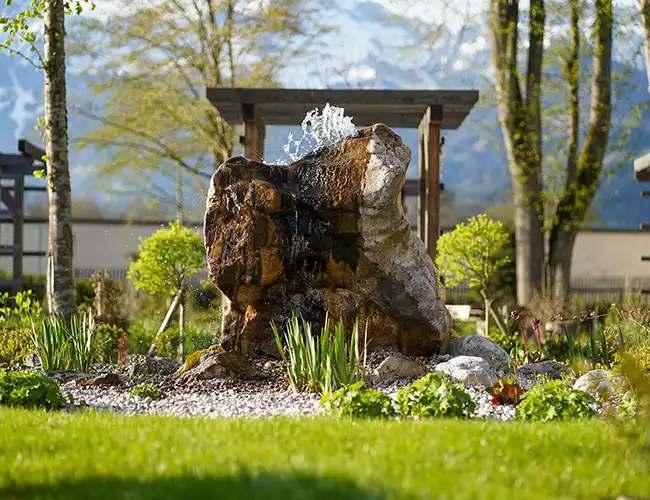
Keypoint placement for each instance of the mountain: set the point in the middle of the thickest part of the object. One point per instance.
(370, 43)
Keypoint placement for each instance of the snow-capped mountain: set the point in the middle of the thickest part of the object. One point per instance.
(372, 43)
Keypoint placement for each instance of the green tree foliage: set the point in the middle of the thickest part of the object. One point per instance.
(473, 251)
(476, 252)
(166, 258)
(149, 67)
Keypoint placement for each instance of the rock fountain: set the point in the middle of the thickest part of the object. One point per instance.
(325, 233)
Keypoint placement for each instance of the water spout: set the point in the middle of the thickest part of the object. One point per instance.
(320, 130)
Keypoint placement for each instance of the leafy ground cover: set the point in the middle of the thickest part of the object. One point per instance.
(100, 456)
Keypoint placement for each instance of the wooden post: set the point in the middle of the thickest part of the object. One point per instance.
(19, 198)
(422, 195)
(429, 138)
(254, 133)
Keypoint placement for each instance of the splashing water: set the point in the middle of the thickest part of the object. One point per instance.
(319, 131)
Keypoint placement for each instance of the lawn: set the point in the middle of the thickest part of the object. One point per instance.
(100, 456)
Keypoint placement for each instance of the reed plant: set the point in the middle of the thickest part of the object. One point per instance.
(61, 345)
(318, 363)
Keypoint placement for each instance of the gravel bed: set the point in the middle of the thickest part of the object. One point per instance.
(242, 400)
(227, 398)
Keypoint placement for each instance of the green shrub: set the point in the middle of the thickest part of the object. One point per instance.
(462, 327)
(141, 334)
(15, 345)
(204, 297)
(357, 402)
(15, 330)
(318, 363)
(197, 337)
(147, 391)
(30, 389)
(555, 400)
(106, 343)
(433, 396)
(84, 292)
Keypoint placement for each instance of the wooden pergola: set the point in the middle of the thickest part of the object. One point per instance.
(430, 111)
(13, 170)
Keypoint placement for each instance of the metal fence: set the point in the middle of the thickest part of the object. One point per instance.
(587, 289)
(121, 275)
(584, 289)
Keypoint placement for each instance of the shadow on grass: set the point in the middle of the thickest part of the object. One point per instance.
(262, 486)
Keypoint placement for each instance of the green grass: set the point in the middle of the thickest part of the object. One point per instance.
(91, 456)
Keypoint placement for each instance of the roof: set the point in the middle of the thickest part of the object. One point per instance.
(642, 168)
(395, 108)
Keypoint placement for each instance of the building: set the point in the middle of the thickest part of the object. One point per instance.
(599, 254)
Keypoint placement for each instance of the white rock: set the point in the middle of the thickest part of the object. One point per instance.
(602, 384)
(471, 370)
(482, 347)
(396, 366)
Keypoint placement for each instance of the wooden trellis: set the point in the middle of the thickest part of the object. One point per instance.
(13, 169)
(430, 111)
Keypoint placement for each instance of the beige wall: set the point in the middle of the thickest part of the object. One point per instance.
(110, 246)
(96, 246)
(611, 253)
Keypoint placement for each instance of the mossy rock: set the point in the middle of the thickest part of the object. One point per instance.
(195, 358)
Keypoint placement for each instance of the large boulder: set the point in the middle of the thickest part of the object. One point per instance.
(326, 233)
(477, 345)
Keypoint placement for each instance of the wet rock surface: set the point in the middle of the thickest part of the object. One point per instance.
(325, 233)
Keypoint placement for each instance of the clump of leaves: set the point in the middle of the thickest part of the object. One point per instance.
(433, 396)
(30, 389)
(555, 400)
(147, 391)
(506, 392)
(358, 402)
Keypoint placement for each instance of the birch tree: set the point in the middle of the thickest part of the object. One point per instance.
(18, 34)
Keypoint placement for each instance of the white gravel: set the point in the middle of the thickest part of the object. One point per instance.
(225, 402)
(220, 399)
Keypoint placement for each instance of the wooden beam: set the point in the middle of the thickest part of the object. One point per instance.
(16, 164)
(343, 96)
(7, 198)
(395, 108)
(19, 202)
(29, 149)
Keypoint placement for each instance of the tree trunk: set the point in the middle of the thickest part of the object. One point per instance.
(501, 324)
(522, 132)
(181, 327)
(60, 283)
(581, 188)
(163, 325)
(645, 15)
